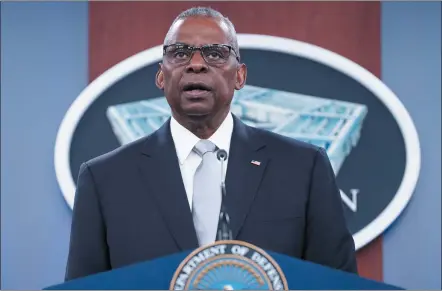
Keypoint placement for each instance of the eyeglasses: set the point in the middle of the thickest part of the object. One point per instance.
(213, 54)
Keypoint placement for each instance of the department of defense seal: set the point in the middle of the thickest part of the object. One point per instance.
(229, 265)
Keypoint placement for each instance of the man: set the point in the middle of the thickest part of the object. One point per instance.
(161, 194)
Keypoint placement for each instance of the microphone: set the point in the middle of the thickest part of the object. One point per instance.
(224, 232)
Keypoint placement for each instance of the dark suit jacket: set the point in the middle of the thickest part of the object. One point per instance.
(131, 205)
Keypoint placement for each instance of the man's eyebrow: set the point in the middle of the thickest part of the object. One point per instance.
(180, 43)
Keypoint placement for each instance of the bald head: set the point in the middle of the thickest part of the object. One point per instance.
(205, 12)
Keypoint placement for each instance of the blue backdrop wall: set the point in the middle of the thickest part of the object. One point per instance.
(411, 67)
(44, 50)
(44, 67)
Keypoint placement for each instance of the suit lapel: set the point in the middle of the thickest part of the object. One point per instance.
(161, 174)
(243, 177)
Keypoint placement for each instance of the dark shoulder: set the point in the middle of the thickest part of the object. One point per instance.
(119, 156)
(285, 145)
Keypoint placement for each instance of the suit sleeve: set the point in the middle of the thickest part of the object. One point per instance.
(88, 251)
(329, 241)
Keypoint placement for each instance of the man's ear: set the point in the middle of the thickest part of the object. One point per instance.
(159, 77)
(241, 76)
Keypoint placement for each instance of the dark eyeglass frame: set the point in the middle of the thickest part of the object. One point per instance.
(200, 48)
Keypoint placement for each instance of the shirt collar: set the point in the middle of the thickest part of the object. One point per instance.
(185, 140)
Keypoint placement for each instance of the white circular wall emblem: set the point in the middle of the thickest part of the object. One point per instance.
(265, 43)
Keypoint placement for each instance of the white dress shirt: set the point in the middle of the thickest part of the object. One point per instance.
(189, 161)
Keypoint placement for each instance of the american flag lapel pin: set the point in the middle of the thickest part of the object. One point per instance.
(256, 163)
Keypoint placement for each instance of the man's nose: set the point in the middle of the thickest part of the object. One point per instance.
(197, 64)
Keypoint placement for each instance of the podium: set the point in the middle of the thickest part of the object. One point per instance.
(225, 265)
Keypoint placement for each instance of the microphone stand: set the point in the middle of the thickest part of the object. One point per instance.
(224, 232)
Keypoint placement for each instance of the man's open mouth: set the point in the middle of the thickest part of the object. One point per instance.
(196, 87)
